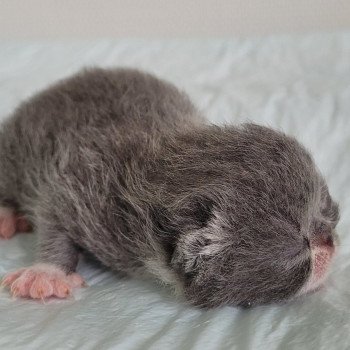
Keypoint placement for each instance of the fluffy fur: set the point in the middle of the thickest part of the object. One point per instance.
(120, 164)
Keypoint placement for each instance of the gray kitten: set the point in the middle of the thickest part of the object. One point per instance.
(120, 164)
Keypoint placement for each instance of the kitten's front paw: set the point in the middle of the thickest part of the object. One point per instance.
(42, 281)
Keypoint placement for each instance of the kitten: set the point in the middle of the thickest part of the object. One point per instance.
(122, 165)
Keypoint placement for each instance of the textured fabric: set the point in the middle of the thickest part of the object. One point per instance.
(298, 84)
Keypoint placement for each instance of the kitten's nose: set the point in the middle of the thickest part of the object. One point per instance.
(326, 239)
(323, 237)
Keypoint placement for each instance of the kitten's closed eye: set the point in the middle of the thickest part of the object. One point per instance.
(329, 209)
(332, 214)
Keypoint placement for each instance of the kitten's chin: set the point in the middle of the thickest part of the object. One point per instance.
(321, 258)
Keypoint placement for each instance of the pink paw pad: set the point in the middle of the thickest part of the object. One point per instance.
(42, 281)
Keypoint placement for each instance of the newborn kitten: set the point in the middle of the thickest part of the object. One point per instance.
(120, 164)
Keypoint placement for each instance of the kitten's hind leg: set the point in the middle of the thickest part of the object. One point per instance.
(54, 273)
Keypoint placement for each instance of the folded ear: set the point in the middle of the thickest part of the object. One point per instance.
(199, 245)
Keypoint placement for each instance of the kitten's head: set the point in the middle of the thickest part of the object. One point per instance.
(256, 217)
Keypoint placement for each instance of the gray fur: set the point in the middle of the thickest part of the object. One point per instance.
(120, 164)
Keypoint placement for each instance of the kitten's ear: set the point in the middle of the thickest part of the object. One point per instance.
(183, 230)
(198, 245)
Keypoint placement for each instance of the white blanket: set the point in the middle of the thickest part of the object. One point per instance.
(300, 84)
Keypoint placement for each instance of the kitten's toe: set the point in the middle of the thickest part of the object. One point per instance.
(10, 223)
(7, 223)
(10, 278)
(76, 280)
(42, 281)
